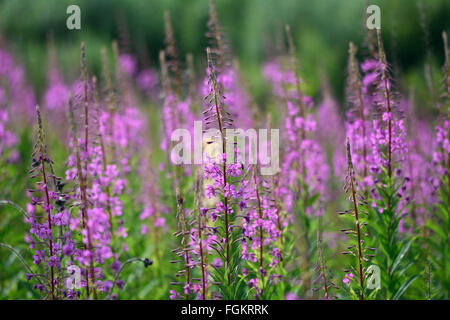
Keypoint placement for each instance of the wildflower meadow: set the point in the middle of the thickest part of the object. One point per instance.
(166, 175)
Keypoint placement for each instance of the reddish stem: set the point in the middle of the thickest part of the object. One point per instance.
(201, 256)
(49, 217)
(224, 167)
(355, 207)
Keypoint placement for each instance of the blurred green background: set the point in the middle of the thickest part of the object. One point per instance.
(322, 30)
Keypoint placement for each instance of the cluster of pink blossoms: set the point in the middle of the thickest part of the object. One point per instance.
(105, 187)
(16, 95)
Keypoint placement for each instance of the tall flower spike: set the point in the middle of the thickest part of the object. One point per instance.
(216, 110)
(357, 210)
(225, 174)
(103, 153)
(388, 132)
(298, 87)
(216, 38)
(260, 247)
(85, 98)
(56, 94)
(446, 78)
(172, 54)
(17, 95)
(215, 115)
(357, 125)
(441, 180)
(387, 101)
(331, 133)
(42, 160)
(444, 142)
(49, 196)
(230, 82)
(304, 169)
(84, 202)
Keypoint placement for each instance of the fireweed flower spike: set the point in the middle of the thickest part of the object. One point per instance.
(110, 107)
(228, 77)
(440, 222)
(171, 52)
(386, 101)
(176, 114)
(357, 125)
(441, 156)
(331, 133)
(77, 173)
(387, 205)
(176, 110)
(107, 183)
(57, 93)
(150, 198)
(304, 170)
(420, 186)
(216, 38)
(16, 96)
(100, 185)
(82, 163)
(217, 112)
(225, 187)
(260, 237)
(104, 161)
(53, 214)
(41, 163)
(358, 247)
(128, 120)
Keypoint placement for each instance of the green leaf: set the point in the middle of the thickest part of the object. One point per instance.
(433, 226)
(403, 287)
(400, 256)
(12, 204)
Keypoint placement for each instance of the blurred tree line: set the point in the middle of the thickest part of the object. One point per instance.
(322, 30)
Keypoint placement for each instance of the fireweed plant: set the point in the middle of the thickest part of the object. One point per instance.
(358, 126)
(17, 107)
(49, 217)
(260, 233)
(355, 277)
(225, 186)
(221, 229)
(98, 188)
(304, 172)
(237, 100)
(438, 226)
(8, 152)
(176, 114)
(387, 205)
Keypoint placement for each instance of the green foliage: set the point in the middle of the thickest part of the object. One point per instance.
(393, 248)
(438, 241)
